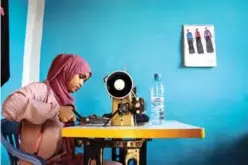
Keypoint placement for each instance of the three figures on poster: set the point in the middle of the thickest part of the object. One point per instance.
(198, 39)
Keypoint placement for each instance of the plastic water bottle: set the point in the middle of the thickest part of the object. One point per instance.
(157, 99)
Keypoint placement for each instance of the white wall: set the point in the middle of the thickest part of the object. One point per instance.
(31, 63)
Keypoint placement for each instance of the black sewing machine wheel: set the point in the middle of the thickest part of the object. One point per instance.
(128, 84)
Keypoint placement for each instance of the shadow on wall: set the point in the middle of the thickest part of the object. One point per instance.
(181, 49)
(234, 153)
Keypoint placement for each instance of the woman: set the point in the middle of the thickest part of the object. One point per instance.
(42, 109)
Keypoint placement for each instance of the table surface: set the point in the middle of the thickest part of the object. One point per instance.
(169, 129)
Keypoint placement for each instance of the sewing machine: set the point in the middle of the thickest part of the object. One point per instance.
(127, 110)
(126, 105)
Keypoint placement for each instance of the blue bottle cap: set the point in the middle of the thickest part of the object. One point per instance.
(157, 76)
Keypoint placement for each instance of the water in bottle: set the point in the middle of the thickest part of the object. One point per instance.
(157, 99)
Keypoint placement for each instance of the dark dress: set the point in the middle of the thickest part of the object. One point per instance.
(199, 43)
(209, 43)
(190, 43)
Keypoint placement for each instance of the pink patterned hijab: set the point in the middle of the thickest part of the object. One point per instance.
(62, 69)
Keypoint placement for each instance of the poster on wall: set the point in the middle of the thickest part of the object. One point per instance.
(199, 46)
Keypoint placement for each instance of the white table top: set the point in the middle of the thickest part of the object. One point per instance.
(173, 124)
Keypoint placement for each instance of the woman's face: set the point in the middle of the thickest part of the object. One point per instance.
(77, 82)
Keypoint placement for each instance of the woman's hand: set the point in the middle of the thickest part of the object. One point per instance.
(66, 114)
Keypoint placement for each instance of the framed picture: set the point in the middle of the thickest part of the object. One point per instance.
(199, 46)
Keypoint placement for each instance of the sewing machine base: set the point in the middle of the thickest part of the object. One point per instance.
(129, 149)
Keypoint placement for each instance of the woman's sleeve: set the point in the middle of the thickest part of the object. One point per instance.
(29, 103)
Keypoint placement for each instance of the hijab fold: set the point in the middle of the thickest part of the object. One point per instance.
(61, 71)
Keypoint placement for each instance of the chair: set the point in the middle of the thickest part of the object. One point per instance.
(10, 141)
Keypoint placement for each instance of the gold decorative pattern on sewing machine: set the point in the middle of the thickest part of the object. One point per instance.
(117, 143)
(125, 103)
(132, 154)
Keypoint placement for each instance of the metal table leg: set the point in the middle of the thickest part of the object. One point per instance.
(86, 155)
(128, 150)
(93, 153)
(143, 154)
